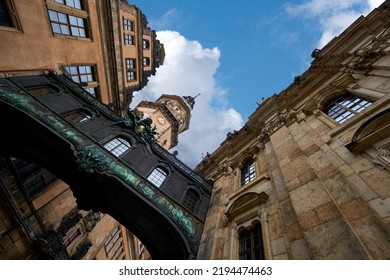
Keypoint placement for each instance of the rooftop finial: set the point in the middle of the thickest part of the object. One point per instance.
(191, 100)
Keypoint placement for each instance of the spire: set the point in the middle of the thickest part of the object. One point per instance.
(190, 100)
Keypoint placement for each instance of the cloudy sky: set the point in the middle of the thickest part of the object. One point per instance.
(234, 53)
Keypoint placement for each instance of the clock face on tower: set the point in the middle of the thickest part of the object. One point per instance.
(161, 120)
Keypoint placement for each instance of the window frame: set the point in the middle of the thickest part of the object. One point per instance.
(131, 69)
(342, 108)
(13, 17)
(145, 44)
(70, 11)
(248, 172)
(158, 176)
(128, 39)
(127, 25)
(189, 202)
(92, 84)
(118, 149)
(253, 232)
(146, 61)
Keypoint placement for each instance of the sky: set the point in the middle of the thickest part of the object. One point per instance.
(235, 53)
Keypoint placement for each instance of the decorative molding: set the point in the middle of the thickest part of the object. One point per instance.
(383, 158)
(278, 121)
(331, 91)
(371, 52)
(244, 203)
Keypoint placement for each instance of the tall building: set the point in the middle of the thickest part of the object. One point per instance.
(171, 114)
(308, 175)
(107, 48)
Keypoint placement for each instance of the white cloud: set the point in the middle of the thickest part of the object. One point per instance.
(170, 18)
(189, 69)
(332, 16)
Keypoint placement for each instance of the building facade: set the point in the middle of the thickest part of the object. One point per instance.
(107, 48)
(308, 175)
(171, 114)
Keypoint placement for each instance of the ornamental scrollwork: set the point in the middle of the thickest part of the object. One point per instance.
(371, 52)
(91, 159)
(141, 126)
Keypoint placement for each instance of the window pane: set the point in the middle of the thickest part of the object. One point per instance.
(117, 146)
(73, 20)
(62, 18)
(82, 33)
(82, 69)
(65, 30)
(53, 16)
(75, 31)
(157, 177)
(56, 28)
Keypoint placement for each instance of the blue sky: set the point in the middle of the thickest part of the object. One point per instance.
(235, 53)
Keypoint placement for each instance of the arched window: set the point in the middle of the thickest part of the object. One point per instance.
(251, 244)
(248, 172)
(190, 200)
(346, 106)
(117, 146)
(157, 177)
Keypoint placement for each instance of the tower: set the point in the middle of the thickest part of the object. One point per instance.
(171, 114)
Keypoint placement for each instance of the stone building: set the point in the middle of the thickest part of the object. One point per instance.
(308, 175)
(171, 114)
(107, 48)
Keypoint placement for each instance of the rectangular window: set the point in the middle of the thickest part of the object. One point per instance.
(67, 24)
(8, 17)
(145, 44)
(129, 39)
(146, 61)
(84, 75)
(5, 15)
(131, 70)
(128, 25)
(113, 246)
(71, 3)
(248, 172)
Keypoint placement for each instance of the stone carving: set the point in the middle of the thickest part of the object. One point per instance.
(281, 119)
(91, 159)
(371, 52)
(383, 158)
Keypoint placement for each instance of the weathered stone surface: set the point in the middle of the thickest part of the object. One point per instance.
(295, 168)
(361, 187)
(307, 177)
(286, 149)
(355, 209)
(275, 226)
(308, 220)
(375, 248)
(294, 232)
(309, 196)
(288, 212)
(378, 180)
(382, 207)
(278, 246)
(327, 212)
(334, 240)
(340, 189)
(299, 250)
